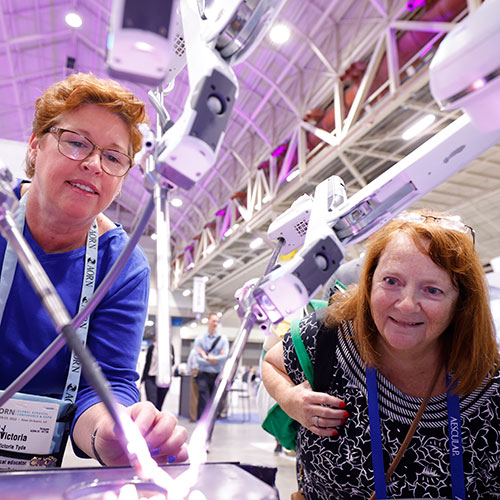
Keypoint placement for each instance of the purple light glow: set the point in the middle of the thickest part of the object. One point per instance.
(225, 227)
(414, 4)
(280, 150)
(426, 49)
(220, 212)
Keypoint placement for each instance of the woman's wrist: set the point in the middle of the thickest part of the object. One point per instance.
(94, 450)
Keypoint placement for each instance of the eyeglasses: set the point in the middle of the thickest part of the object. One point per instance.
(78, 147)
(452, 222)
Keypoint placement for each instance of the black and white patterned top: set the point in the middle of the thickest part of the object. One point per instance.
(340, 467)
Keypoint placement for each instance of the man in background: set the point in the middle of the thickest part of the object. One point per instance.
(192, 371)
(211, 353)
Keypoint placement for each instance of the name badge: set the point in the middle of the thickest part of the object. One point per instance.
(27, 426)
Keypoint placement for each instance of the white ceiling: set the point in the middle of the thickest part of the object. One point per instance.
(317, 69)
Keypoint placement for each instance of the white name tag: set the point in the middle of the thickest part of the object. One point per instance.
(27, 426)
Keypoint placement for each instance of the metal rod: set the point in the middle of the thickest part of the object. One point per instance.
(226, 377)
(163, 339)
(133, 442)
(53, 348)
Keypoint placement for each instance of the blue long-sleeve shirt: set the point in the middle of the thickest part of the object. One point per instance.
(115, 329)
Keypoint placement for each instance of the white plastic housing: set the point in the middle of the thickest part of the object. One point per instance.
(143, 56)
(464, 73)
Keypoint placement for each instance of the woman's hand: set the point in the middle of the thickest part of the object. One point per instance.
(166, 440)
(318, 411)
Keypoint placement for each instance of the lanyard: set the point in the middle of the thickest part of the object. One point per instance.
(455, 440)
(454, 432)
(88, 284)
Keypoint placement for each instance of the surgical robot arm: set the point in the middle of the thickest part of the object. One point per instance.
(464, 74)
(209, 36)
(330, 230)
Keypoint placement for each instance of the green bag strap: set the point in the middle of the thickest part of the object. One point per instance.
(318, 304)
(300, 349)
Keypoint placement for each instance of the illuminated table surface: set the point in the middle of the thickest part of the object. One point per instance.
(216, 481)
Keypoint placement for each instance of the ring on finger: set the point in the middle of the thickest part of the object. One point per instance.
(316, 418)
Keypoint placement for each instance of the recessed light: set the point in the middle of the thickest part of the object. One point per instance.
(279, 34)
(418, 127)
(73, 19)
(144, 46)
(228, 263)
(256, 243)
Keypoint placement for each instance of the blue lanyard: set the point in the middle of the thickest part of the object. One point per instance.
(8, 269)
(375, 434)
(455, 440)
(454, 432)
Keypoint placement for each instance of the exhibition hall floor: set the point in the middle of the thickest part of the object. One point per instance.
(233, 440)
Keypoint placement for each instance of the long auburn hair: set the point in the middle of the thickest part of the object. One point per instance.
(469, 344)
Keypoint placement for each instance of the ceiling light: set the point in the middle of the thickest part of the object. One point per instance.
(204, 320)
(176, 202)
(150, 322)
(228, 263)
(219, 314)
(209, 249)
(144, 46)
(190, 266)
(186, 293)
(184, 330)
(256, 243)
(418, 127)
(73, 19)
(193, 324)
(292, 175)
(154, 236)
(279, 34)
(231, 230)
(266, 198)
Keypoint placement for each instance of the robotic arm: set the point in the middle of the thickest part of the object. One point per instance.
(291, 286)
(152, 45)
(210, 36)
(464, 73)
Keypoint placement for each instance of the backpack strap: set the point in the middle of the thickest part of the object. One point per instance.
(304, 359)
(326, 359)
(214, 344)
(319, 375)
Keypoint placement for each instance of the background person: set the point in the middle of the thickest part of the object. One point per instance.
(84, 138)
(192, 371)
(418, 322)
(211, 349)
(154, 393)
